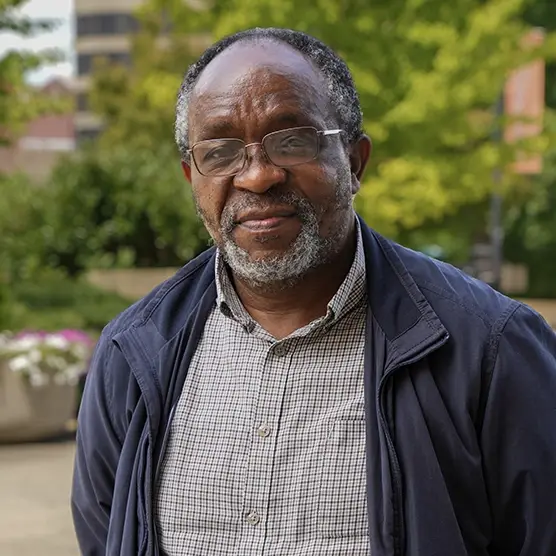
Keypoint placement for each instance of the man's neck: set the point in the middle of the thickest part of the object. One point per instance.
(282, 311)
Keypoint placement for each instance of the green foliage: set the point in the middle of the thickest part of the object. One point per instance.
(21, 245)
(19, 102)
(53, 301)
(531, 216)
(22, 220)
(9, 21)
(542, 13)
(6, 305)
(121, 207)
(531, 232)
(428, 74)
(137, 106)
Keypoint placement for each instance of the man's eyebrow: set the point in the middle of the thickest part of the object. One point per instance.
(222, 128)
(287, 118)
(283, 120)
(217, 129)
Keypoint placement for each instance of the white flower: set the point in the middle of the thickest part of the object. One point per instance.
(26, 343)
(56, 362)
(43, 359)
(80, 350)
(35, 356)
(57, 342)
(18, 364)
(37, 380)
(73, 372)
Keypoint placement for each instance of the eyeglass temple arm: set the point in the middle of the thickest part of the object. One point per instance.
(331, 131)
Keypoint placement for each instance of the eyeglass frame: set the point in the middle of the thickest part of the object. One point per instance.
(320, 133)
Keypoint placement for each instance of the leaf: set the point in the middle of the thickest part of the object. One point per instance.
(427, 73)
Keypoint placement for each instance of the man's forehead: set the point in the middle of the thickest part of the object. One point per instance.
(241, 62)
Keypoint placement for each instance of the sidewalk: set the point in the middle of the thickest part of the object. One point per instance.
(35, 517)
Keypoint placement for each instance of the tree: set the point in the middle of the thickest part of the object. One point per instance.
(542, 13)
(530, 228)
(428, 73)
(18, 101)
(122, 206)
(530, 224)
(531, 232)
(137, 106)
(18, 104)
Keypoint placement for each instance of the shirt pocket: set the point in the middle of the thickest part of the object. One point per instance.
(343, 482)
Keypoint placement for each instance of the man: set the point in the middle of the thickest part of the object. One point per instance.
(308, 387)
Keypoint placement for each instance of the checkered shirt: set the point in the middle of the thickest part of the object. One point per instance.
(266, 453)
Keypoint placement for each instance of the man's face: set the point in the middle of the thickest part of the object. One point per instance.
(272, 224)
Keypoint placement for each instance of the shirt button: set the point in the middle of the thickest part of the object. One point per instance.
(280, 351)
(253, 518)
(264, 430)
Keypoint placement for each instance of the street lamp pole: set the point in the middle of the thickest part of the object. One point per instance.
(496, 225)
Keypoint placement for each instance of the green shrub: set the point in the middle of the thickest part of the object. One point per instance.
(6, 306)
(120, 207)
(52, 301)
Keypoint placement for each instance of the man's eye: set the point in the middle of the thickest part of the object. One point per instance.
(292, 142)
(220, 153)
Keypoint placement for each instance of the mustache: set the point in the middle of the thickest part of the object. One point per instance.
(253, 201)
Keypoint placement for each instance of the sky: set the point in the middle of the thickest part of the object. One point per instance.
(61, 37)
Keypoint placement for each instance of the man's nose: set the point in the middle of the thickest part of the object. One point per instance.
(258, 174)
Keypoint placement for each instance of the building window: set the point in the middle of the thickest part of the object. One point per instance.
(106, 24)
(85, 62)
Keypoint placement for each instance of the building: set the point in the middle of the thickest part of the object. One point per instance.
(38, 147)
(102, 29)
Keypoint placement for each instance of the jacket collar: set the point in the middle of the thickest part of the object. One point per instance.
(407, 320)
(409, 323)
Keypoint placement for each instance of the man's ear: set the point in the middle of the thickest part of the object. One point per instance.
(186, 170)
(359, 155)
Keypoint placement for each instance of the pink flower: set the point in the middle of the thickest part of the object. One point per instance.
(77, 336)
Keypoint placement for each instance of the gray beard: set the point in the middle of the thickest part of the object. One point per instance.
(306, 252)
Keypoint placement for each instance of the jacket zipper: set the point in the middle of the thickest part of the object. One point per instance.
(156, 547)
(399, 525)
(399, 530)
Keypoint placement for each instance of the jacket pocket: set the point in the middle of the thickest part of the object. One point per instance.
(342, 489)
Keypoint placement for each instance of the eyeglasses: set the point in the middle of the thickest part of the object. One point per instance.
(284, 148)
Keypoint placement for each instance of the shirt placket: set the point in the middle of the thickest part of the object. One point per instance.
(264, 431)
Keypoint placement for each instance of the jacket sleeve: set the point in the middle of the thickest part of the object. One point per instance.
(518, 437)
(97, 454)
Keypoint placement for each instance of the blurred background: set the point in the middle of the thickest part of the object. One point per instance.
(458, 97)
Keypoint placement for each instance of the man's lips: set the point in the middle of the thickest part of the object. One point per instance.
(265, 219)
(265, 223)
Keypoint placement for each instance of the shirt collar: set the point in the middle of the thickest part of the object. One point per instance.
(349, 295)
(227, 299)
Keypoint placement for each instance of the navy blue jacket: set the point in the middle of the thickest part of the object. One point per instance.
(460, 392)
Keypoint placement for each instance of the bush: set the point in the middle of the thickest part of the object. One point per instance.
(22, 223)
(52, 301)
(6, 306)
(120, 208)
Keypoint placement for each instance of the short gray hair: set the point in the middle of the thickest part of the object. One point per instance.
(341, 88)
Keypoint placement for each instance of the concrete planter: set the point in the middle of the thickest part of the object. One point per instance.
(30, 413)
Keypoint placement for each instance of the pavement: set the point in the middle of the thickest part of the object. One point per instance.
(35, 518)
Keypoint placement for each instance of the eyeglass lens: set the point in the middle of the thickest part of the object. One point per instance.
(288, 147)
